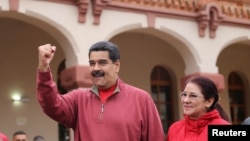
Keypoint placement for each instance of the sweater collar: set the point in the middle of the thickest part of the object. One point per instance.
(199, 124)
(95, 90)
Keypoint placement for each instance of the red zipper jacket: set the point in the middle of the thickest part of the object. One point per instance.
(129, 114)
(194, 130)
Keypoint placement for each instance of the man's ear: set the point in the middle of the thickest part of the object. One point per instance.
(117, 65)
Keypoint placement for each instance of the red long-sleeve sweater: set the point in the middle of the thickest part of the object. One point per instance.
(129, 114)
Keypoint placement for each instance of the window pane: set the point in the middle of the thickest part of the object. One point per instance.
(165, 93)
(240, 114)
(154, 93)
(236, 97)
(163, 112)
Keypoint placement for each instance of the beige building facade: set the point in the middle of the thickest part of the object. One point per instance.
(162, 43)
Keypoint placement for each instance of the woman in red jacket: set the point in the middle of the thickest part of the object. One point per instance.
(199, 101)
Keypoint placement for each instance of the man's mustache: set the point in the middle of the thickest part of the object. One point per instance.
(97, 73)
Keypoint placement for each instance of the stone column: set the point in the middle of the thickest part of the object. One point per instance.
(75, 77)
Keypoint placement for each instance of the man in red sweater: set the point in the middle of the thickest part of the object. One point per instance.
(110, 110)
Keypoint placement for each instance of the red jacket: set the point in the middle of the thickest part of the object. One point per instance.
(194, 130)
(129, 114)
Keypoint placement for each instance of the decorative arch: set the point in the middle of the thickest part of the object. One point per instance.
(122, 29)
(185, 48)
(58, 32)
(181, 44)
(240, 39)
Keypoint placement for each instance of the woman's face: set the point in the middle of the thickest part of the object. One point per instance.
(193, 101)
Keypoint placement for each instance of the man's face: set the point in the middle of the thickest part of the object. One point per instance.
(103, 71)
(20, 138)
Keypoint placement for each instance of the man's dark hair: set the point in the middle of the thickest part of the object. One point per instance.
(112, 48)
(19, 132)
(38, 138)
(246, 121)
